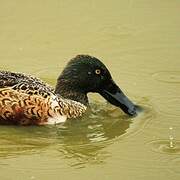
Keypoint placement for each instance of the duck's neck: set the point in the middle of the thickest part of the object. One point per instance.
(68, 90)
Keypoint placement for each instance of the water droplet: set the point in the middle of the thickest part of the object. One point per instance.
(171, 138)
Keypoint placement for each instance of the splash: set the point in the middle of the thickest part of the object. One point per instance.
(168, 146)
(171, 138)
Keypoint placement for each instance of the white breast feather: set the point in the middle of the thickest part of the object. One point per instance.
(57, 118)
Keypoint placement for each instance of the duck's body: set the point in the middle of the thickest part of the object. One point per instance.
(27, 100)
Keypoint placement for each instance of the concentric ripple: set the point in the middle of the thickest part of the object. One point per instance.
(163, 146)
(171, 107)
(175, 165)
(167, 76)
(81, 141)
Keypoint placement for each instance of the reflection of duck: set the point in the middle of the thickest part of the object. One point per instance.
(81, 142)
(27, 100)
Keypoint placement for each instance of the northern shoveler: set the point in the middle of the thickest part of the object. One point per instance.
(27, 100)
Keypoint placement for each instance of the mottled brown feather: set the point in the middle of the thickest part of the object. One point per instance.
(18, 106)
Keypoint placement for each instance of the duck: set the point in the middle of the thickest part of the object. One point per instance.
(27, 100)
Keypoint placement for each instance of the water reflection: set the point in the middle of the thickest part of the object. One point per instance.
(81, 140)
(21, 140)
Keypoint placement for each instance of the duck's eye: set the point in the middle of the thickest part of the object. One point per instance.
(98, 71)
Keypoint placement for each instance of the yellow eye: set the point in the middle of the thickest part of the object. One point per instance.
(98, 71)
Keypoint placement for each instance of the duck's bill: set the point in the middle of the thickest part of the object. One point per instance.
(115, 96)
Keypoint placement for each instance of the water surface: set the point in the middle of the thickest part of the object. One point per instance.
(139, 42)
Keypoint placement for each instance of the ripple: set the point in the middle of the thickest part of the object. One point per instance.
(143, 119)
(105, 123)
(81, 141)
(175, 165)
(171, 107)
(163, 146)
(117, 31)
(167, 76)
(13, 148)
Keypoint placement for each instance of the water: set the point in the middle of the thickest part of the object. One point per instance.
(139, 42)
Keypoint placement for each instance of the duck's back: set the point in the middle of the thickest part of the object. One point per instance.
(21, 81)
(25, 99)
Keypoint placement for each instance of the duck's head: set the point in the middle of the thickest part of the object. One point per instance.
(84, 74)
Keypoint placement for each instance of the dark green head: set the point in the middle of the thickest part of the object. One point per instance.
(84, 74)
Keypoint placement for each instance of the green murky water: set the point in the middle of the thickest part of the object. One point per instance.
(139, 41)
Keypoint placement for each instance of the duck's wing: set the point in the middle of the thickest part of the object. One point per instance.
(21, 108)
(27, 100)
(24, 83)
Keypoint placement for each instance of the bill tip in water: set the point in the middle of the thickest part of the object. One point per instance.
(135, 110)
